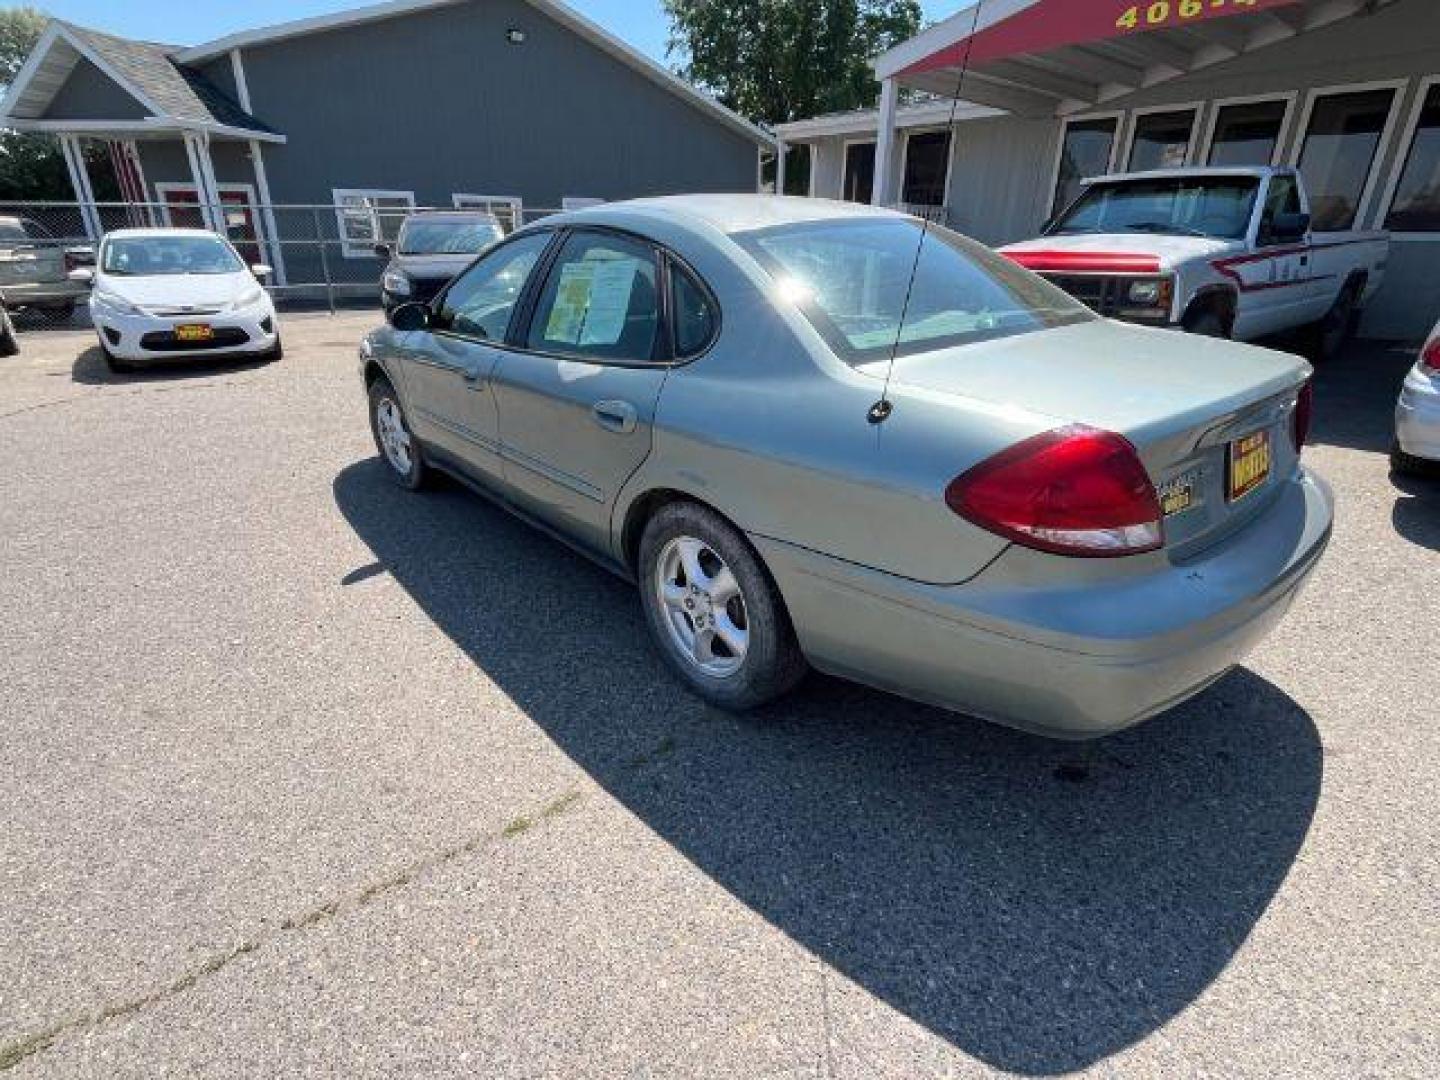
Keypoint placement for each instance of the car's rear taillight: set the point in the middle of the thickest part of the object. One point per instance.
(1301, 418)
(1071, 491)
(1430, 355)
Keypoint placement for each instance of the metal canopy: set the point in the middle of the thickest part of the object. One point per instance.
(1057, 57)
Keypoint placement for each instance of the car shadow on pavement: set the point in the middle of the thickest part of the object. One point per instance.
(1417, 511)
(90, 369)
(1039, 906)
(1355, 395)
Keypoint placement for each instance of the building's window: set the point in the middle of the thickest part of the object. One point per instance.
(507, 209)
(1086, 151)
(859, 183)
(1247, 133)
(599, 301)
(1161, 140)
(1339, 152)
(1416, 206)
(369, 217)
(927, 161)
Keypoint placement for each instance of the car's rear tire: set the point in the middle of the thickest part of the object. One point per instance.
(9, 343)
(713, 611)
(398, 447)
(1329, 336)
(1403, 464)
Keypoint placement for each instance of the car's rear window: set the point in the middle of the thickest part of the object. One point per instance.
(448, 236)
(869, 285)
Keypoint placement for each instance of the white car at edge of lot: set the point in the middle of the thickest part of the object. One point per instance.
(178, 294)
(1417, 414)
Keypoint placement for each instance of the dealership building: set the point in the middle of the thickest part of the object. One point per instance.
(1054, 91)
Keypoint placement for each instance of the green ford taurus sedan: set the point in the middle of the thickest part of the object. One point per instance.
(817, 434)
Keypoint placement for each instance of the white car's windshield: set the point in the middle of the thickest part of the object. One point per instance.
(166, 255)
(853, 280)
(448, 236)
(1214, 206)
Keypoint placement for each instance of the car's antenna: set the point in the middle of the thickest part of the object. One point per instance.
(881, 410)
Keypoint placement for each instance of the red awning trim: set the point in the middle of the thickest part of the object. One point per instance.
(1086, 262)
(1054, 24)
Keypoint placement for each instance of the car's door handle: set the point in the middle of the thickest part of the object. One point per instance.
(473, 380)
(618, 416)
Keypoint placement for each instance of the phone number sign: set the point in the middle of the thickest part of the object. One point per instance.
(1161, 13)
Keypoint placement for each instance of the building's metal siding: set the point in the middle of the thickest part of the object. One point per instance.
(439, 102)
(999, 175)
(90, 94)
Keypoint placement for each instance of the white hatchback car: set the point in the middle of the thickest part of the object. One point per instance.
(168, 294)
(1417, 414)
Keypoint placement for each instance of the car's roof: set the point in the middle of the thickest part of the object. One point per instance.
(735, 213)
(142, 234)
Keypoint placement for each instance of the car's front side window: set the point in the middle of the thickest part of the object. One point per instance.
(599, 302)
(870, 285)
(481, 302)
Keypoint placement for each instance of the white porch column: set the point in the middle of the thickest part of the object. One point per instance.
(884, 191)
(197, 149)
(74, 155)
(267, 213)
(781, 149)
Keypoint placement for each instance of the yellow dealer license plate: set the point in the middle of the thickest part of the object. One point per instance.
(194, 332)
(1178, 495)
(1249, 464)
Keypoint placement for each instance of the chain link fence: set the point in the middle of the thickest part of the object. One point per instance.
(322, 256)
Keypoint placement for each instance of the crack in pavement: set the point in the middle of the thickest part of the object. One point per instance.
(14, 1052)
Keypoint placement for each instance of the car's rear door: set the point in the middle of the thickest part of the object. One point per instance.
(577, 390)
(448, 368)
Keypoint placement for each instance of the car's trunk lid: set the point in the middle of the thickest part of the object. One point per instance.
(1183, 401)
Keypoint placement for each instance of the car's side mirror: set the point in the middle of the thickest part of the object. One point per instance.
(1288, 228)
(382, 251)
(262, 270)
(411, 316)
(85, 275)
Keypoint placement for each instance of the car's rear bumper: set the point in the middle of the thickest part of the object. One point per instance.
(1417, 416)
(1073, 658)
(44, 293)
(150, 337)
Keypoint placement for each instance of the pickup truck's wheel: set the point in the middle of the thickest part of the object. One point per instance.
(397, 446)
(713, 611)
(9, 344)
(1207, 322)
(1331, 334)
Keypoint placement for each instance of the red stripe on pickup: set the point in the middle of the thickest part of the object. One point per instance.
(1096, 262)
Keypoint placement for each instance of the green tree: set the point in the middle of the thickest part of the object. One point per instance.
(778, 60)
(31, 166)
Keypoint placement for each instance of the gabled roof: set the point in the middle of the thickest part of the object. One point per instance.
(557, 11)
(171, 93)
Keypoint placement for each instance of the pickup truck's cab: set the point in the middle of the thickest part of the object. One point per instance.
(1228, 252)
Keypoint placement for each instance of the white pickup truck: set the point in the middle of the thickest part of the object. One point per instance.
(1226, 252)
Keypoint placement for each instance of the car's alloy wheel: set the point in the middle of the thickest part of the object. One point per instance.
(705, 606)
(393, 437)
(713, 610)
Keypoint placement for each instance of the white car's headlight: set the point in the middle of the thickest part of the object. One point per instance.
(395, 282)
(115, 303)
(247, 299)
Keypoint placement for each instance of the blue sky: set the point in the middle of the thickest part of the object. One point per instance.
(185, 22)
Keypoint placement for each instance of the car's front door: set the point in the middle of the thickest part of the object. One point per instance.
(1278, 287)
(448, 368)
(577, 393)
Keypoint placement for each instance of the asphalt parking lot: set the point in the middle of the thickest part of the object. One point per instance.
(301, 774)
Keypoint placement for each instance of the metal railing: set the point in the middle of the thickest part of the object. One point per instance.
(321, 254)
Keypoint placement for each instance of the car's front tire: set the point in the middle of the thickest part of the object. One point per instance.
(9, 344)
(114, 363)
(398, 447)
(713, 611)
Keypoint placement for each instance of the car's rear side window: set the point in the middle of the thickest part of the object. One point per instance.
(868, 285)
(600, 301)
(693, 313)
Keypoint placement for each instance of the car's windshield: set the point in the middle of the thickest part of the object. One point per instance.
(165, 255)
(852, 279)
(448, 236)
(1212, 206)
